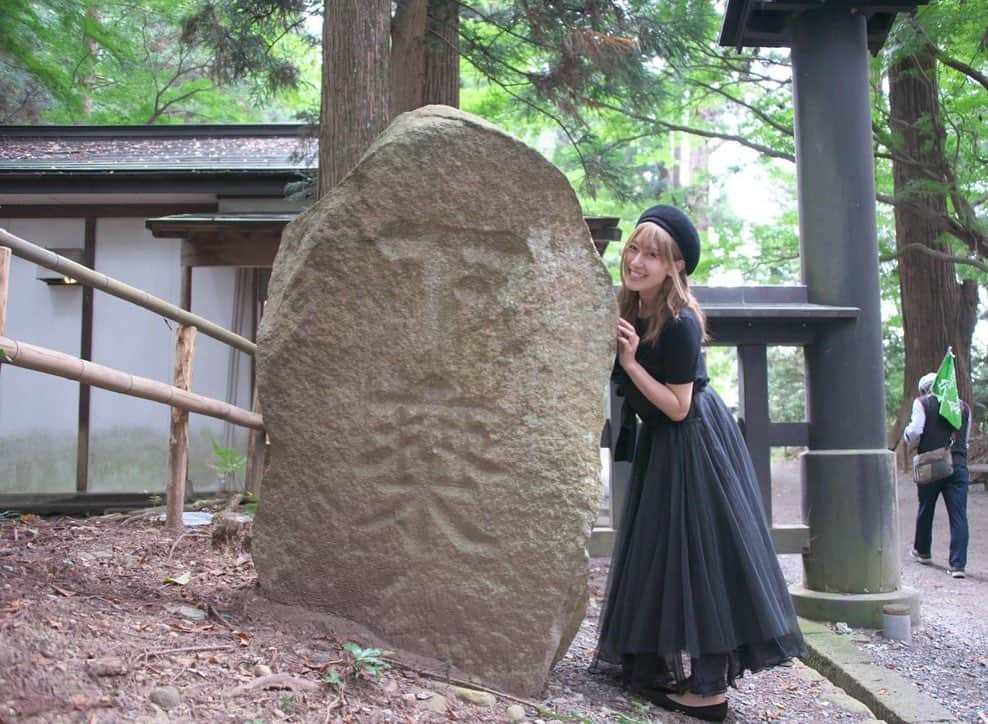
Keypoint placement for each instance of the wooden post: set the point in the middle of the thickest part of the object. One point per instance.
(178, 440)
(4, 277)
(753, 394)
(256, 451)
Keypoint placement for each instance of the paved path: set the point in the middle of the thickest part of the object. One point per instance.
(948, 657)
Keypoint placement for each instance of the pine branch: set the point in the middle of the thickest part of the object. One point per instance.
(943, 256)
(757, 112)
(765, 150)
(960, 67)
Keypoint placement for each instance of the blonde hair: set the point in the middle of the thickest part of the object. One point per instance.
(674, 294)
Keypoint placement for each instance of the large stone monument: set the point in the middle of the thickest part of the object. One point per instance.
(432, 365)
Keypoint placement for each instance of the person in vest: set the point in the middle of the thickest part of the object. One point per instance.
(928, 431)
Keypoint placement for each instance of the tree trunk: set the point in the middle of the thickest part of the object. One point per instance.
(937, 310)
(356, 84)
(425, 55)
(407, 57)
(442, 54)
(87, 66)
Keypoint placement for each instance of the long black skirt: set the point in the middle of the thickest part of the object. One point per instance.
(693, 570)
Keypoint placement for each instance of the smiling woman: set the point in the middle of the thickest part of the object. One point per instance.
(693, 570)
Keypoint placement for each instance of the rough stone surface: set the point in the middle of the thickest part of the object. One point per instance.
(167, 697)
(431, 363)
(481, 698)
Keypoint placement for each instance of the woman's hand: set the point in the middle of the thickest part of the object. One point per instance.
(627, 343)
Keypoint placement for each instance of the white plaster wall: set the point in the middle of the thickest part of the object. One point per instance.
(213, 297)
(128, 446)
(38, 412)
(128, 436)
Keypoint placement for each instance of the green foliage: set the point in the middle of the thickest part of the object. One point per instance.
(786, 389)
(158, 61)
(287, 702)
(361, 664)
(366, 663)
(634, 101)
(333, 678)
(227, 460)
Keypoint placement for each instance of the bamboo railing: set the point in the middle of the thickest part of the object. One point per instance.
(177, 396)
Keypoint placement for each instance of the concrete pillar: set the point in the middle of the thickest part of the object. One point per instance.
(849, 501)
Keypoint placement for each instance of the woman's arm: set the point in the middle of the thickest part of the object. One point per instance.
(673, 400)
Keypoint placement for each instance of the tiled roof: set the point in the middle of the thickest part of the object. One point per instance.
(67, 149)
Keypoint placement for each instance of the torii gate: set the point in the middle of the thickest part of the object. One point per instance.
(851, 566)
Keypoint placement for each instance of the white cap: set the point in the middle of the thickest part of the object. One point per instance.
(926, 382)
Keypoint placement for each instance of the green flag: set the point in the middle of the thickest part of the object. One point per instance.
(945, 389)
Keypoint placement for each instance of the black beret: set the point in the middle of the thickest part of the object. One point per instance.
(681, 230)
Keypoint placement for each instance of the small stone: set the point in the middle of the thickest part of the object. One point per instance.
(321, 658)
(167, 697)
(842, 628)
(106, 667)
(516, 712)
(262, 670)
(436, 703)
(188, 612)
(472, 696)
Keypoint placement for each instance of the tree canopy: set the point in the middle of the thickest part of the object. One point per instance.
(633, 99)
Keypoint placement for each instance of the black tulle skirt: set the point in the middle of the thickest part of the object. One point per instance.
(693, 572)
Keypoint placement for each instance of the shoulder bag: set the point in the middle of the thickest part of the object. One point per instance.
(933, 466)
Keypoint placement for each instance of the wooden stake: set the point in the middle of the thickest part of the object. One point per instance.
(256, 451)
(178, 440)
(4, 279)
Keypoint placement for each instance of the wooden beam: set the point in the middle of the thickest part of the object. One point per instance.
(178, 439)
(79, 211)
(231, 248)
(84, 275)
(41, 359)
(789, 434)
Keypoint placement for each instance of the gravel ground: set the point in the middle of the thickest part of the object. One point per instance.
(787, 693)
(948, 655)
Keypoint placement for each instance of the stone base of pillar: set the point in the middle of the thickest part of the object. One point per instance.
(858, 610)
(851, 508)
(602, 542)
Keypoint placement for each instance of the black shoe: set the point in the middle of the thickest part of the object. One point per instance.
(667, 686)
(711, 712)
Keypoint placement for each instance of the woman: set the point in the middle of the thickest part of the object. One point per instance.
(693, 570)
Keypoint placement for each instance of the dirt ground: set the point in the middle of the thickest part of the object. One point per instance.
(91, 630)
